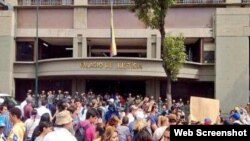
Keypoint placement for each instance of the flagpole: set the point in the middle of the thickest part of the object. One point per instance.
(111, 17)
(36, 55)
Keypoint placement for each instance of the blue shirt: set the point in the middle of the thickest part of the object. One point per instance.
(7, 122)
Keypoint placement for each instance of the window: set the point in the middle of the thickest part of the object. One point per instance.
(208, 56)
(24, 51)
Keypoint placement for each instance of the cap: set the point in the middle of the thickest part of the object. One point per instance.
(235, 115)
(111, 100)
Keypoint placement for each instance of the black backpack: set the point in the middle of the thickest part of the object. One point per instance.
(80, 133)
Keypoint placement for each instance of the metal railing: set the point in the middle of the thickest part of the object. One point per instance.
(200, 1)
(45, 2)
(107, 2)
(246, 1)
(117, 2)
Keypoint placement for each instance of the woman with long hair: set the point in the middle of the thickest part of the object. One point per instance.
(44, 128)
(99, 132)
(110, 134)
(113, 121)
(44, 118)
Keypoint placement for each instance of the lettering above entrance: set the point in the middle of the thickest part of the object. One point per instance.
(111, 65)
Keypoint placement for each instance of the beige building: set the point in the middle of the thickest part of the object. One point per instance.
(74, 40)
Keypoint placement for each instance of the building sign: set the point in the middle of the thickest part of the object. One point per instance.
(111, 65)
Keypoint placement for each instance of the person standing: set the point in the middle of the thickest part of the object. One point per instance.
(6, 119)
(31, 124)
(61, 131)
(18, 130)
(2, 126)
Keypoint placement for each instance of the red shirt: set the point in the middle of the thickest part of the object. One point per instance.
(89, 130)
(27, 110)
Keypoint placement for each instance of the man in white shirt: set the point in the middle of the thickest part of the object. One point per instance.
(61, 131)
(42, 109)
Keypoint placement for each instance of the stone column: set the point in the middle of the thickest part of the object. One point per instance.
(153, 88)
(7, 44)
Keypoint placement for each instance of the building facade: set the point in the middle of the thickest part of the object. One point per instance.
(74, 40)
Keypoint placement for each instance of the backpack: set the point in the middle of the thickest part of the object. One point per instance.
(80, 133)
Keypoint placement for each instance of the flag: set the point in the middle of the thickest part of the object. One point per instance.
(113, 50)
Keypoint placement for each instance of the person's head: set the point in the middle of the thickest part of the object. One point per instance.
(143, 135)
(111, 101)
(72, 111)
(94, 103)
(3, 109)
(125, 120)
(140, 124)
(15, 115)
(33, 113)
(62, 105)
(164, 107)
(45, 127)
(207, 121)
(111, 134)
(99, 130)
(166, 134)
(45, 117)
(234, 116)
(29, 91)
(29, 99)
(92, 115)
(172, 118)
(113, 121)
(64, 119)
(44, 102)
(78, 102)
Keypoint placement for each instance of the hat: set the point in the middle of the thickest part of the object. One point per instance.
(237, 109)
(111, 100)
(2, 124)
(207, 121)
(235, 115)
(63, 117)
(172, 117)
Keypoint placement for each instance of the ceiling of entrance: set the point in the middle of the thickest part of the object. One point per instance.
(120, 41)
(59, 41)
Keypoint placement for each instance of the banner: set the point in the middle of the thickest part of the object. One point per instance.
(201, 108)
(113, 50)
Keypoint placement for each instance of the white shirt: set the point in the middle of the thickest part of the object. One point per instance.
(59, 134)
(30, 125)
(159, 133)
(130, 118)
(2, 137)
(42, 110)
(22, 106)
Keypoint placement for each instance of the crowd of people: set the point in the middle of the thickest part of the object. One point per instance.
(90, 117)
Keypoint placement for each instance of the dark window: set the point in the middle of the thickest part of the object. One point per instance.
(49, 51)
(209, 57)
(24, 51)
